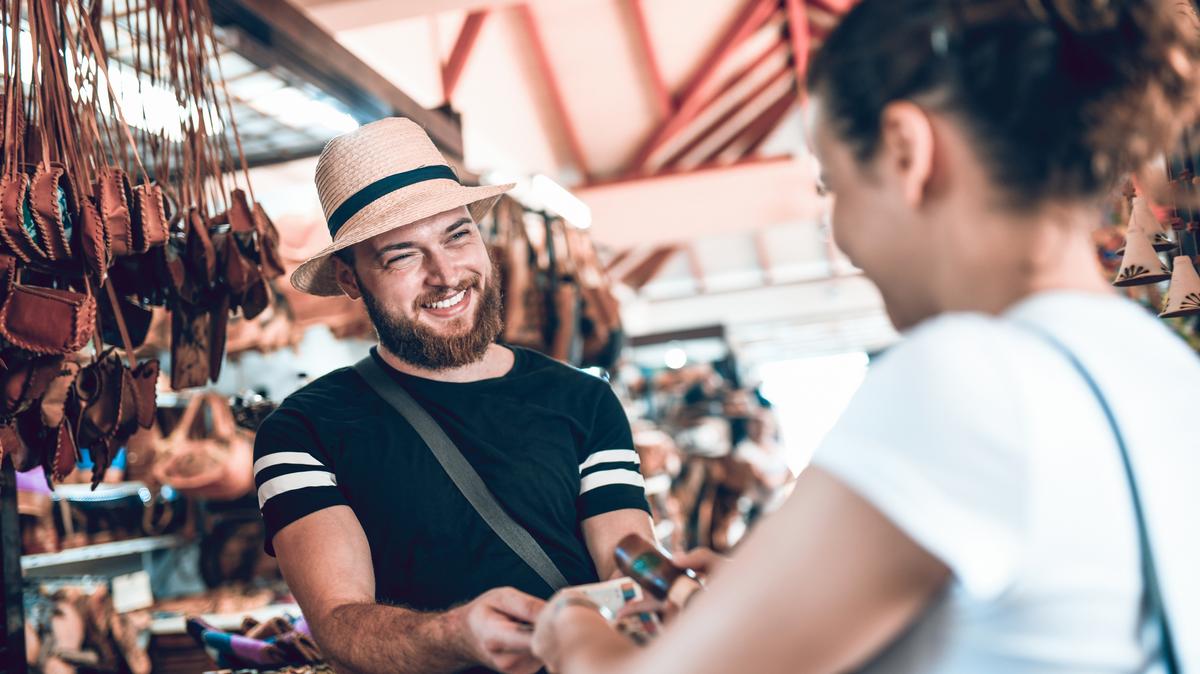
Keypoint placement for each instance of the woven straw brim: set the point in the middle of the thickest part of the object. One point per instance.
(317, 275)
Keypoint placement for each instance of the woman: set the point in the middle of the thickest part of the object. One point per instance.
(971, 511)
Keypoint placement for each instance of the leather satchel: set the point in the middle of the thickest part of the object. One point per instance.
(190, 336)
(95, 244)
(268, 243)
(25, 379)
(17, 229)
(114, 197)
(199, 253)
(150, 219)
(216, 463)
(47, 320)
(52, 198)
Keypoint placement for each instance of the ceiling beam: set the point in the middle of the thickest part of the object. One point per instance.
(341, 15)
(453, 70)
(556, 95)
(764, 257)
(737, 120)
(650, 266)
(761, 72)
(753, 14)
(745, 143)
(658, 87)
(277, 35)
(798, 34)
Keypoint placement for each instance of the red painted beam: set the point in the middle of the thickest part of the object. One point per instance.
(556, 96)
(752, 16)
(658, 86)
(801, 41)
(687, 172)
(724, 119)
(756, 131)
(648, 268)
(453, 70)
(771, 121)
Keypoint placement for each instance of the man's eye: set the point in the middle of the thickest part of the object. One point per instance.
(460, 235)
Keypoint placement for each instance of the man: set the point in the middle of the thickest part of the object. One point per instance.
(392, 566)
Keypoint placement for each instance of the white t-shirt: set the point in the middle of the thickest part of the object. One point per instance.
(986, 446)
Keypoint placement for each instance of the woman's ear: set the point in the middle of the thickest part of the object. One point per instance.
(906, 150)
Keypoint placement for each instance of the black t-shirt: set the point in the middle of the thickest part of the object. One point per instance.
(552, 444)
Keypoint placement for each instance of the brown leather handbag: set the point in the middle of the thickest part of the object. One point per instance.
(268, 243)
(216, 462)
(114, 197)
(24, 379)
(145, 381)
(47, 320)
(150, 219)
(218, 322)
(53, 203)
(199, 253)
(14, 226)
(190, 343)
(95, 244)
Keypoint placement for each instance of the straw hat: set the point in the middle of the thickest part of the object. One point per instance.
(1183, 298)
(384, 175)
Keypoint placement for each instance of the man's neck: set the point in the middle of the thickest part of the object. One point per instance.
(497, 361)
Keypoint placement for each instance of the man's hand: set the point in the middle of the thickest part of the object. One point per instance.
(497, 630)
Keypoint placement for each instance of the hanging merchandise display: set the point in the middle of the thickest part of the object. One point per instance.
(558, 298)
(108, 211)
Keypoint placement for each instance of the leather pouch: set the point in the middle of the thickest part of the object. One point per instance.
(114, 198)
(47, 320)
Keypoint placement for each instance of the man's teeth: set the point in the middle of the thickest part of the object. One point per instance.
(447, 303)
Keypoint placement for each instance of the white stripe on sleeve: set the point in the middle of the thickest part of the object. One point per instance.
(609, 477)
(611, 456)
(285, 483)
(291, 458)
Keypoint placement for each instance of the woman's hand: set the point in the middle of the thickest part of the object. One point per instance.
(568, 620)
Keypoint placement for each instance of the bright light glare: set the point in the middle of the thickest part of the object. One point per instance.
(809, 396)
(558, 199)
(675, 358)
(292, 108)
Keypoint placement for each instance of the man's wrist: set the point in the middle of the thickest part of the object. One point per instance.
(455, 631)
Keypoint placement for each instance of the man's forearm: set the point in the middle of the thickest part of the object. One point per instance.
(370, 638)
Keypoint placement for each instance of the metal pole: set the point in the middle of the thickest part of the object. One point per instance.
(12, 651)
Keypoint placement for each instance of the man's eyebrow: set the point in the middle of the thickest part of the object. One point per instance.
(403, 245)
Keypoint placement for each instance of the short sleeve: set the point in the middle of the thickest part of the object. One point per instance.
(935, 440)
(292, 472)
(609, 468)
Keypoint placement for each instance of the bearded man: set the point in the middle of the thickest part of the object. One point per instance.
(393, 566)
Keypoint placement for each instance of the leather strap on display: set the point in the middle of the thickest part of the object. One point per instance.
(461, 473)
(1154, 600)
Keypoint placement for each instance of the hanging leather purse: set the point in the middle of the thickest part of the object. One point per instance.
(52, 198)
(25, 379)
(145, 384)
(54, 400)
(16, 222)
(216, 465)
(218, 327)
(23, 457)
(94, 242)
(47, 320)
(54, 445)
(199, 253)
(256, 299)
(190, 335)
(268, 244)
(137, 321)
(150, 218)
(114, 197)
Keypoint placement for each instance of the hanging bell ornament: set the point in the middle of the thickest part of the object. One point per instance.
(1141, 265)
(1142, 219)
(1183, 298)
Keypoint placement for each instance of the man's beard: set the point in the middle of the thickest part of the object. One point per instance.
(420, 346)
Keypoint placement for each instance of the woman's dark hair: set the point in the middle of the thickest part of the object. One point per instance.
(1063, 97)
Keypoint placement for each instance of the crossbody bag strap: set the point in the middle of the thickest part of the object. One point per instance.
(1149, 572)
(462, 473)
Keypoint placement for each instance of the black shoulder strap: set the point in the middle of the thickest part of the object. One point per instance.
(1149, 573)
(462, 474)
